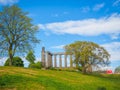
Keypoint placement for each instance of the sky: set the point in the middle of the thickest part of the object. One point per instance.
(62, 22)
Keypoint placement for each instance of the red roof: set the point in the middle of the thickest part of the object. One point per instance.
(109, 72)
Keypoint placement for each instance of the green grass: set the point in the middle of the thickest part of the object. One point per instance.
(15, 78)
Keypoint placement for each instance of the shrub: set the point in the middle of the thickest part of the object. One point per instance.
(17, 61)
(35, 65)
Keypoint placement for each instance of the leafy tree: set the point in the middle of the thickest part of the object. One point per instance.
(88, 55)
(117, 70)
(17, 33)
(17, 61)
(30, 57)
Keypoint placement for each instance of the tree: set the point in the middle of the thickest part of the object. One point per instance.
(117, 70)
(17, 33)
(17, 61)
(88, 54)
(30, 57)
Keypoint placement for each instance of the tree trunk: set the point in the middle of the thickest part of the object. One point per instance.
(10, 60)
(77, 65)
(84, 69)
(10, 55)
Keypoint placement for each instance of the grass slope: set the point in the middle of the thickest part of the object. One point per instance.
(14, 78)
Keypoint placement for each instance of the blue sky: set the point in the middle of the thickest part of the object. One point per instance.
(62, 22)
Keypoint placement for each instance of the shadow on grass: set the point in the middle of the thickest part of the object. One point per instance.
(107, 76)
(101, 88)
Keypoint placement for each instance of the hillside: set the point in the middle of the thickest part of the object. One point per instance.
(14, 78)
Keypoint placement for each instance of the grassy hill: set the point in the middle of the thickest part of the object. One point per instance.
(14, 78)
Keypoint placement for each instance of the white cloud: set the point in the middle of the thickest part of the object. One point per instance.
(58, 47)
(114, 49)
(98, 7)
(85, 9)
(6, 2)
(114, 36)
(88, 27)
(116, 3)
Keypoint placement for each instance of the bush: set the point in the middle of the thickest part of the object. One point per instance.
(17, 61)
(35, 65)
